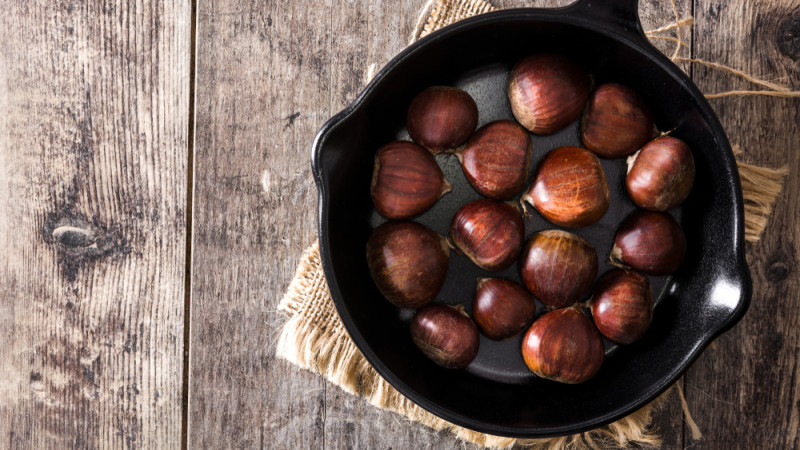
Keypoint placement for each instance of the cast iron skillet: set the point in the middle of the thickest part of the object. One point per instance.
(496, 393)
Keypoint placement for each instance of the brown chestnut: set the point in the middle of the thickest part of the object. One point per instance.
(547, 92)
(441, 117)
(496, 159)
(558, 267)
(617, 121)
(446, 335)
(489, 232)
(651, 242)
(406, 180)
(563, 345)
(570, 188)
(502, 308)
(408, 262)
(622, 306)
(661, 174)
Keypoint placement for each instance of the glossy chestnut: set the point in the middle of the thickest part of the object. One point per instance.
(497, 158)
(617, 121)
(661, 174)
(408, 262)
(406, 180)
(489, 232)
(547, 92)
(622, 305)
(563, 345)
(651, 242)
(502, 308)
(446, 335)
(570, 188)
(441, 118)
(558, 267)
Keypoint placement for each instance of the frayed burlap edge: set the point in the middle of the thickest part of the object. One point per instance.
(315, 339)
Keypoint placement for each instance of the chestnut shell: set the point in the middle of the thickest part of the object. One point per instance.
(570, 188)
(563, 345)
(497, 158)
(661, 174)
(446, 335)
(502, 308)
(622, 305)
(547, 92)
(406, 180)
(489, 232)
(617, 121)
(651, 242)
(408, 262)
(441, 117)
(558, 267)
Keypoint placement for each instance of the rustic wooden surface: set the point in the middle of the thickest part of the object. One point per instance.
(95, 118)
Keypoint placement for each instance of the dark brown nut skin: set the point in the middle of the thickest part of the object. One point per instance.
(446, 335)
(661, 174)
(622, 306)
(502, 308)
(558, 267)
(489, 232)
(441, 118)
(563, 345)
(406, 181)
(570, 188)
(547, 92)
(617, 122)
(408, 262)
(497, 158)
(650, 242)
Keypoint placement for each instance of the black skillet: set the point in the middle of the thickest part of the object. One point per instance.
(496, 393)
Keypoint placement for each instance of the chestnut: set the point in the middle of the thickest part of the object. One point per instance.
(570, 188)
(446, 335)
(651, 242)
(661, 174)
(441, 117)
(622, 306)
(489, 232)
(547, 92)
(502, 308)
(406, 180)
(563, 345)
(617, 122)
(408, 262)
(496, 159)
(558, 267)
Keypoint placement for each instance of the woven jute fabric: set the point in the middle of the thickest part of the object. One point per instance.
(315, 339)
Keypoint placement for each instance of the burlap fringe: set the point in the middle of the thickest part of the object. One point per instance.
(315, 339)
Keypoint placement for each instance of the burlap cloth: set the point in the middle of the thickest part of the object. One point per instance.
(315, 339)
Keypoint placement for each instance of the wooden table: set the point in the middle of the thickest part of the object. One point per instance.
(156, 194)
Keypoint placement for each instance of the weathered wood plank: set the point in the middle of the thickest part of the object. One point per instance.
(744, 393)
(295, 66)
(263, 89)
(94, 105)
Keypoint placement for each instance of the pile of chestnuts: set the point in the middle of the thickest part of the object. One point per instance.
(565, 338)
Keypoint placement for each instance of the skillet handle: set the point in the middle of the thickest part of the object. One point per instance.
(619, 15)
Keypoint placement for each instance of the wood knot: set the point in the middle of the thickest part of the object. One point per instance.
(789, 36)
(74, 236)
(778, 271)
(79, 241)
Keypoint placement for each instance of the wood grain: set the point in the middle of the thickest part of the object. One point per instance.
(93, 151)
(745, 392)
